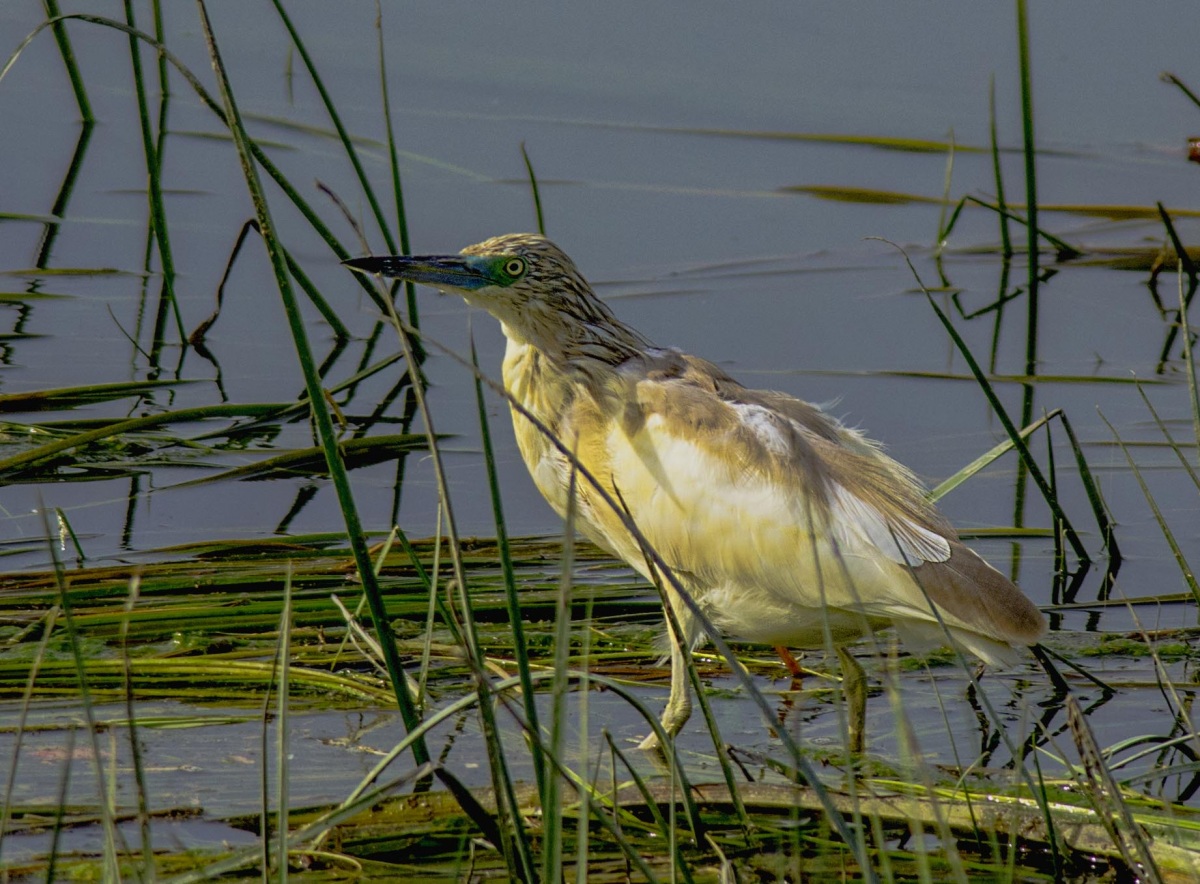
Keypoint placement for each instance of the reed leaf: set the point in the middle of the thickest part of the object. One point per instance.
(320, 413)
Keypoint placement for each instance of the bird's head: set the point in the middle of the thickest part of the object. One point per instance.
(524, 280)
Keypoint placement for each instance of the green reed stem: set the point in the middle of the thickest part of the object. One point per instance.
(316, 399)
(533, 186)
(1031, 206)
(410, 289)
(1092, 488)
(1009, 427)
(551, 787)
(515, 845)
(1005, 239)
(1064, 248)
(114, 841)
(59, 209)
(48, 621)
(1189, 360)
(283, 659)
(68, 56)
(1189, 576)
(135, 745)
(336, 119)
(1168, 77)
(302, 205)
(158, 212)
(515, 616)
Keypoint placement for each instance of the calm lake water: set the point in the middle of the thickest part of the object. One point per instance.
(667, 143)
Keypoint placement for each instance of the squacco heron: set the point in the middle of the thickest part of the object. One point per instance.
(783, 525)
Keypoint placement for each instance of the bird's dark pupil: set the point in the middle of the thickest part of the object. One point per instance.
(515, 267)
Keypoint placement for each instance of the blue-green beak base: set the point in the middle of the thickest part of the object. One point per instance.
(441, 271)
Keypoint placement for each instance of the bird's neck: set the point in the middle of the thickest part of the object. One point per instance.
(540, 382)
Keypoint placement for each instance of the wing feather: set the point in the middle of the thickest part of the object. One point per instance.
(779, 516)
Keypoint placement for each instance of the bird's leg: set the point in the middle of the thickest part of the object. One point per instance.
(679, 703)
(793, 666)
(854, 689)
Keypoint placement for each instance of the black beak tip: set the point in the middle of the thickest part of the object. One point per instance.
(369, 264)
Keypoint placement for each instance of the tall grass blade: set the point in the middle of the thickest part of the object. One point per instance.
(515, 615)
(1189, 358)
(582, 828)
(340, 332)
(1064, 249)
(48, 620)
(435, 606)
(1031, 207)
(533, 187)
(336, 119)
(1060, 559)
(114, 842)
(316, 399)
(264, 775)
(1111, 809)
(164, 90)
(515, 845)
(1006, 421)
(1099, 509)
(65, 530)
(1171, 443)
(1184, 264)
(282, 776)
(1168, 77)
(63, 198)
(551, 787)
(158, 213)
(997, 172)
(68, 56)
(1181, 252)
(410, 289)
(1189, 575)
(471, 806)
(947, 181)
(985, 460)
(135, 746)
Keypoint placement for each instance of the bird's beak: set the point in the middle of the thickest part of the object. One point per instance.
(461, 272)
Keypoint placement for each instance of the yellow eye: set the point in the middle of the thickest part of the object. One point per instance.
(514, 267)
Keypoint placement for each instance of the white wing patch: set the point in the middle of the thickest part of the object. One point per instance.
(898, 539)
(764, 423)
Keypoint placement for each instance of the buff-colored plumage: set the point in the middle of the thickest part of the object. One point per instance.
(783, 525)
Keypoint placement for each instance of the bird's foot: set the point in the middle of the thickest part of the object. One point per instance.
(674, 717)
(651, 743)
